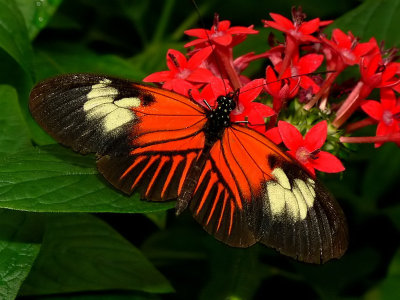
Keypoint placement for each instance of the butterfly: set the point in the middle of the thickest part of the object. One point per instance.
(238, 184)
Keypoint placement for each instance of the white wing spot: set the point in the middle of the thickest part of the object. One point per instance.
(101, 106)
(305, 191)
(297, 199)
(100, 111)
(276, 196)
(128, 102)
(281, 177)
(301, 203)
(117, 118)
(291, 204)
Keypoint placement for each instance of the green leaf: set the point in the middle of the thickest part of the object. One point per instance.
(380, 19)
(18, 250)
(102, 296)
(11, 122)
(14, 35)
(235, 273)
(388, 173)
(53, 59)
(37, 14)
(389, 287)
(82, 253)
(158, 218)
(55, 179)
(329, 280)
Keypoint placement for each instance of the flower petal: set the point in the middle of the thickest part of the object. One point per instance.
(372, 108)
(282, 21)
(291, 136)
(274, 135)
(251, 90)
(309, 63)
(200, 75)
(223, 40)
(328, 163)
(309, 26)
(182, 86)
(177, 58)
(242, 30)
(223, 25)
(316, 136)
(341, 39)
(200, 33)
(388, 99)
(158, 77)
(272, 84)
(199, 57)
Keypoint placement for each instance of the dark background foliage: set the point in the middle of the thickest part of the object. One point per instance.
(52, 248)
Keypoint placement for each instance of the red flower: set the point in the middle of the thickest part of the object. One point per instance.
(221, 34)
(274, 135)
(306, 65)
(347, 48)
(297, 32)
(300, 31)
(377, 72)
(183, 73)
(386, 112)
(280, 90)
(307, 151)
(254, 112)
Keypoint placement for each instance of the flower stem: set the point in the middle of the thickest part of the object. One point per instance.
(325, 87)
(224, 63)
(360, 124)
(371, 139)
(349, 106)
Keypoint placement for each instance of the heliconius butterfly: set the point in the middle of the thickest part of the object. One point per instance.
(238, 184)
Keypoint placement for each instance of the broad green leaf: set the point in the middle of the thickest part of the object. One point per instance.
(393, 212)
(332, 278)
(55, 179)
(103, 296)
(14, 134)
(37, 13)
(158, 218)
(389, 287)
(379, 19)
(82, 253)
(235, 273)
(385, 166)
(14, 35)
(19, 233)
(54, 59)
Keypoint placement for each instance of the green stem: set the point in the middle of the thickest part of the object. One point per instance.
(190, 21)
(164, 19)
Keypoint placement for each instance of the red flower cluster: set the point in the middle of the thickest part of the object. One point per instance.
(212, 70)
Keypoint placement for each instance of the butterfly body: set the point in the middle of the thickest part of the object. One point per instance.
(239, 185)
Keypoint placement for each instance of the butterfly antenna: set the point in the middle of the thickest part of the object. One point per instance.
(210, 42)
(286, 78)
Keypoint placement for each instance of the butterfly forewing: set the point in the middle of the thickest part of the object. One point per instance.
(240, 186)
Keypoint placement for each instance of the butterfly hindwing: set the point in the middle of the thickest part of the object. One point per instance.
(270, 199)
